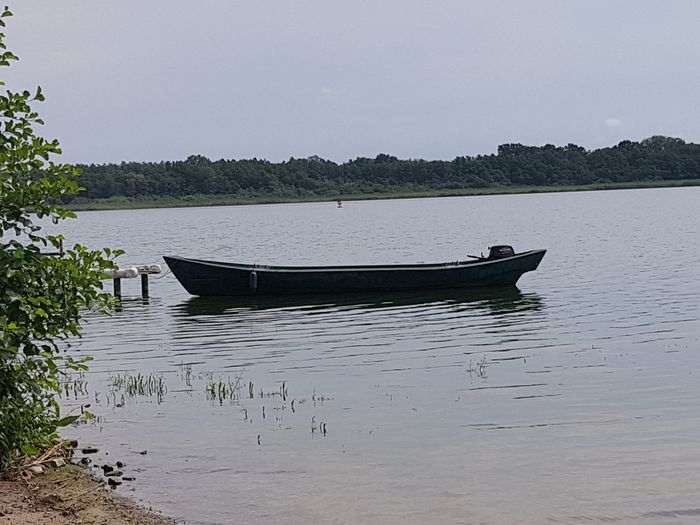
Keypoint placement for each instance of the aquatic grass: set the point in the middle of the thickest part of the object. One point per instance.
(318, 428)
(224, 390)
(232, 390)
(478, 369)
(73, 385)
(269, 404)
(319, 398)
(139, 385)
(282, 391)
(186, 374)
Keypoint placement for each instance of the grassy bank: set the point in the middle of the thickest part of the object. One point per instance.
(123, 203)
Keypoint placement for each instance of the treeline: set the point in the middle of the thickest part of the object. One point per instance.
(654, 159)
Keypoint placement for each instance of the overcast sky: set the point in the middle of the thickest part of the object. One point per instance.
(164, 79)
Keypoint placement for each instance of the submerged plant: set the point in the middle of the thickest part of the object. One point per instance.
(73, 385)
(139, 385)
(225, 390)
(478, 369)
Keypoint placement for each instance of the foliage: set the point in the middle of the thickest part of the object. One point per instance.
(41, 296)
(653, 159)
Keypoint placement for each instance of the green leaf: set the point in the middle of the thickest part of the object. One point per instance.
(64, 422)
(29, 450)
(42, 298)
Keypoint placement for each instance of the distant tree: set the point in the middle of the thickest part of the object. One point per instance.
(655, 158)
(198, 160)
(383, 158)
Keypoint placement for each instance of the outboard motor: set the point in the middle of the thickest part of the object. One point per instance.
(500, 252)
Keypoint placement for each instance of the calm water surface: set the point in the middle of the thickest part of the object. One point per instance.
(573, 399)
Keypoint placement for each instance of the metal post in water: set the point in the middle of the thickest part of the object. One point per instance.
(144, 285)
(117, 288)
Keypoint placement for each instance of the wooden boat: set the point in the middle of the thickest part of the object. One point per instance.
(503, 267)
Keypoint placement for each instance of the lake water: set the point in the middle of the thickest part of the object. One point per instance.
(573, 399)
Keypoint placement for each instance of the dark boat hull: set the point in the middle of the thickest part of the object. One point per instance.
(209, 278)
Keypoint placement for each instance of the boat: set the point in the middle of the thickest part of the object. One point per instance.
(502, 267)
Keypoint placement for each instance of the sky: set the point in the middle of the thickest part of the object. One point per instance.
(151, 80)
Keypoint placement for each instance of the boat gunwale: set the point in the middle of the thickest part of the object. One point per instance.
(358, 268)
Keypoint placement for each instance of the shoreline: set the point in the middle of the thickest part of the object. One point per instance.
(69, 495)
(124, 203)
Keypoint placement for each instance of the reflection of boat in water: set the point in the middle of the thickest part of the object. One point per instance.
(503, 267)
(497, 300)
